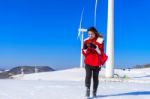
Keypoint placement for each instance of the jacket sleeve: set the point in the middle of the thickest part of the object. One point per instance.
(87, 51)
(100, 44)
(84, 50)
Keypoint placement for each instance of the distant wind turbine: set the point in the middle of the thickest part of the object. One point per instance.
(35, 69)
(22, 70)
(83, 30)
(81, 36)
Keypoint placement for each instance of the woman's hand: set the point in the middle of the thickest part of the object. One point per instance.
(85, 46)
(91, 45)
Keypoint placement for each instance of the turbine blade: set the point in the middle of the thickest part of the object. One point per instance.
(95, 13)
(79, 32)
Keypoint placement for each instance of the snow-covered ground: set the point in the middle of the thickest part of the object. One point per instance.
(69, 84)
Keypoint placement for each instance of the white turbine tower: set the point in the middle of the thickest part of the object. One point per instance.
(81, 36)
(110, 40)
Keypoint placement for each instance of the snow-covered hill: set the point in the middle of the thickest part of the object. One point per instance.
(69, 84)
(78, 74)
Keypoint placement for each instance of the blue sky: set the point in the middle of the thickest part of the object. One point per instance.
(44, 32)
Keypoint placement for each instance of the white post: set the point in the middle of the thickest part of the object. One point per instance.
(22, 70)
(81, 57)
(35, 69)
(110, 40)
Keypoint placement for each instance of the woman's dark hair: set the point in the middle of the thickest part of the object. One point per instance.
(93, 29)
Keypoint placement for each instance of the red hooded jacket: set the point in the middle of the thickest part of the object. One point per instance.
(94, 57)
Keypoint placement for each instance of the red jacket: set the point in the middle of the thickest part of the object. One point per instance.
(95, 57)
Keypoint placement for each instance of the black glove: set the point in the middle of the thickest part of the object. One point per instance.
(92, 45)
(85, 46)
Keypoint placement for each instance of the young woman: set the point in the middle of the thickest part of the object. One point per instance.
(93, 51)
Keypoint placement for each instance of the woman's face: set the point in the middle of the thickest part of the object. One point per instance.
(91, 35)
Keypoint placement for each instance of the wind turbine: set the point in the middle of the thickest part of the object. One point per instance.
(81, 32)
(110, 40)
(81, 36)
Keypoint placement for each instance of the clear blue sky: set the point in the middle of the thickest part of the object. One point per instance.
(44, 32)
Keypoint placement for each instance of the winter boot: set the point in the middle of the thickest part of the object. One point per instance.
(94, 93)
(87, 92)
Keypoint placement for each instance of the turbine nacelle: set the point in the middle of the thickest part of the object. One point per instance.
(82, 30)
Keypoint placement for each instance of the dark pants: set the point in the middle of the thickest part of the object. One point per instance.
(92, 71)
